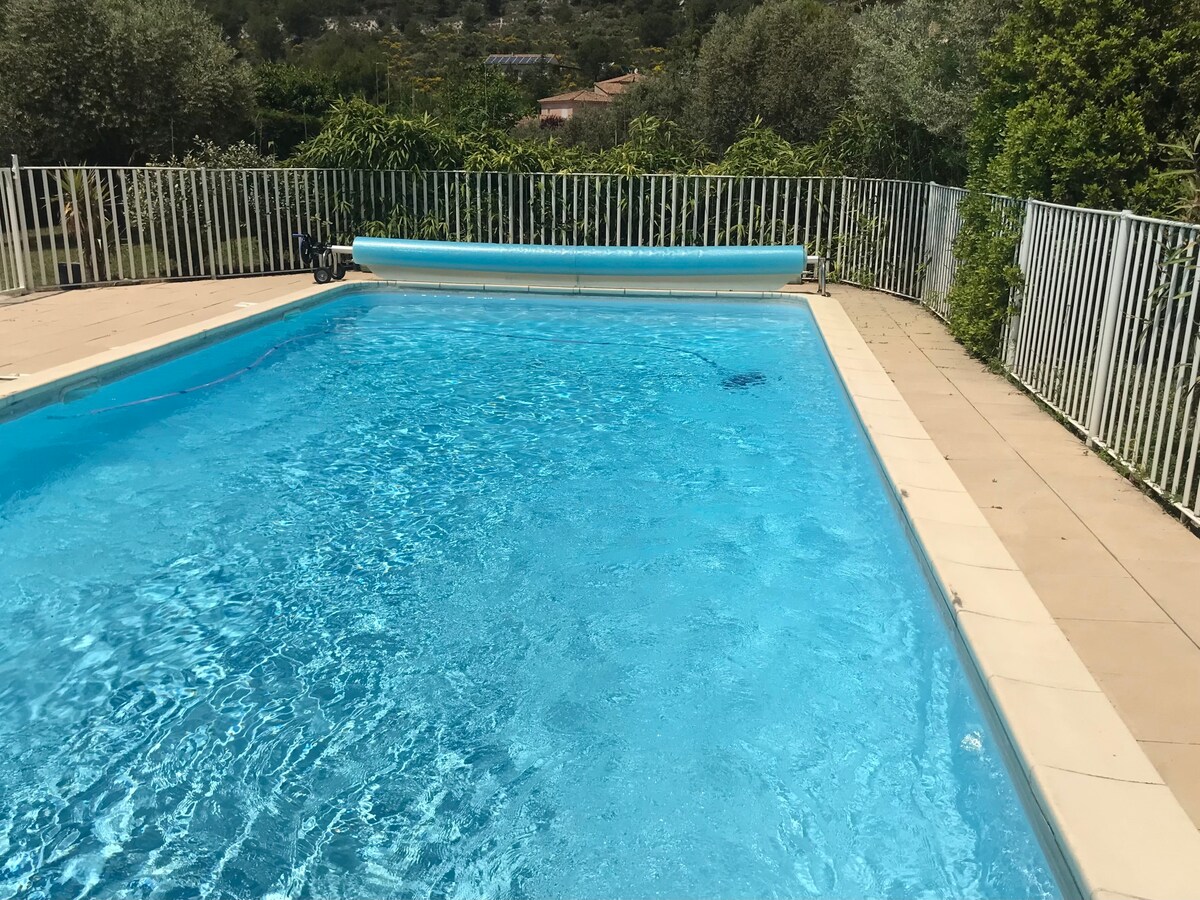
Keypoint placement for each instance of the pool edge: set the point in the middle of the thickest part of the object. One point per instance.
(56, 384)
(1120, 829)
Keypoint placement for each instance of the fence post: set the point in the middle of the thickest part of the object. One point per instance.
(16, 206)
(1012, 325)
(925, 261)
(1108, 327)
(209, 221)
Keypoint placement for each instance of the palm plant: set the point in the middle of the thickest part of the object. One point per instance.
(84, 204)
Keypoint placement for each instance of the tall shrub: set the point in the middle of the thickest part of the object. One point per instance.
(115, 81)
(1079, 96)
(786, 62)
(1079, 100)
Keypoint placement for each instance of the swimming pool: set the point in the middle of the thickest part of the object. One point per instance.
(448, 595)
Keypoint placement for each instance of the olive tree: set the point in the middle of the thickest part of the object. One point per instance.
(917, 78)
(114, 81)
(787, 63)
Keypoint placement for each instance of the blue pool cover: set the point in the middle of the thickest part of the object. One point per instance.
(652, 262)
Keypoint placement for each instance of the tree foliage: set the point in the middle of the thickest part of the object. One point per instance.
(291, 102)
(482, 100)
(1184, 177)
(1080, 101)
(359, 135)
(916, 79)
(1080, 95)
(113, 81)
(987, 274)
(786, 62)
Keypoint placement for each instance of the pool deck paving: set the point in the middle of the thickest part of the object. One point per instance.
(1109, 568)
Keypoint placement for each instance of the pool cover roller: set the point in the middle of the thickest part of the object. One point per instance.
(662, 268)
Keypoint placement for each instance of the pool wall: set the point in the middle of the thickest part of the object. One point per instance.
(1121, 831)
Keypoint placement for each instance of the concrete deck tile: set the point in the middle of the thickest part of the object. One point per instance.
(1074, 730)
(1117, 849)
(950, 412)
(1086, 485)
(971, 443)
(1000, 483)
(1179, 764)
(1038, 516)
(1036, 652)
(1000, 593)
(1073, 554)
(1139, 531)
(928, 474)
(1150, 671)
(972, 545)
(1175, 584)
(948, 507)
(1103, 596)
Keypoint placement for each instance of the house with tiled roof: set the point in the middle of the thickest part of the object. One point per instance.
(561, 107)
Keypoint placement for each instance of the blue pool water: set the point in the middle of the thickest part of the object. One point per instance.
(458, 597)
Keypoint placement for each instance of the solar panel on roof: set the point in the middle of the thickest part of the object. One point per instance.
(517, 59)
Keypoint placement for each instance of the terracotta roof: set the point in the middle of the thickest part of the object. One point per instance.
(619, 84)
(602, 92)
(588, 95)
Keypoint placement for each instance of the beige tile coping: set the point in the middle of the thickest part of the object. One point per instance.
(28, 392)
(1120, 829)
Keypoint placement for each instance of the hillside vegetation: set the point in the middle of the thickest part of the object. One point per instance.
(1093, 101)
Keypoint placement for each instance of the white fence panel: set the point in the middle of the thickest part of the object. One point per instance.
(1054, 336)
(943, 221)
(1107, 333)
(881, 235)
(1148, 408)
(98, 225)
(12, 258)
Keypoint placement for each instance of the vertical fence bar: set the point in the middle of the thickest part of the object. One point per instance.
(18, 240)
(1108, 327)
(21, 244)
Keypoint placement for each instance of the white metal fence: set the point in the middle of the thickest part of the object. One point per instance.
(97, 225)
(1107, 333)
(87, 226)
(1106, 329)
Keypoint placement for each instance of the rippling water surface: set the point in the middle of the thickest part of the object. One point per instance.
(457, 597)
